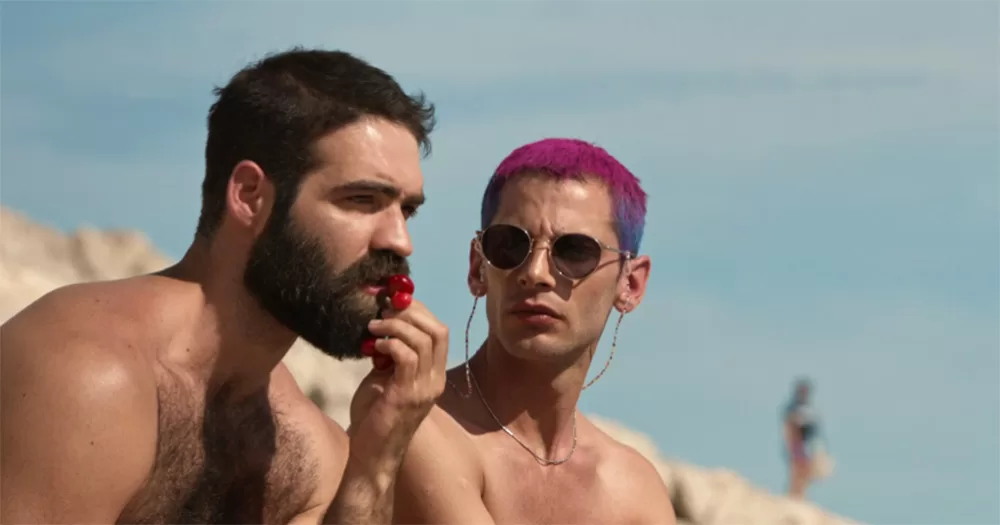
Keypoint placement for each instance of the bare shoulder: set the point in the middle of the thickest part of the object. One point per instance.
(447, 427)
(80, 409)
(77, 341)
(128, 318)
(444, 430)
(441, 479)
(79, 333)
(634, 479)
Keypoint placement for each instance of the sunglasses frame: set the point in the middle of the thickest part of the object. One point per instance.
(531, 249)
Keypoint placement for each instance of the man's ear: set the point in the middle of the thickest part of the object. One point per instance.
(477, 270)
(632, 285)
(249, 196)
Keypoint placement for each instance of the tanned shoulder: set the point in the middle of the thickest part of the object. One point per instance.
(637, 481)
(80, 411)
(441, 479)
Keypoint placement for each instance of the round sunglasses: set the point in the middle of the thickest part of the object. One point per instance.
(574, 255)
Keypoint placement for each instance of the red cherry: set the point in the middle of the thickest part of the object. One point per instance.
(399, 283)
(401, 300)
(381, 362)
(368, 347)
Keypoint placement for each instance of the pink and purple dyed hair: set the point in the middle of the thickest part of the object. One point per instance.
(572, 158)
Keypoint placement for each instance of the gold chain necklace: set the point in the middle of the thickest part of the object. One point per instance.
(543, 461)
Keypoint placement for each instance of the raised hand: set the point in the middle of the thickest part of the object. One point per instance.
(409, 353)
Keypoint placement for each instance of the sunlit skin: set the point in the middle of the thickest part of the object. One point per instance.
(531, 371)
(546, 208)
(134, 367)
(369, 185)
(382, 190)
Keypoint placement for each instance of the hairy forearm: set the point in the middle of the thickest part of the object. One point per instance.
(365, 495)
(368, 484)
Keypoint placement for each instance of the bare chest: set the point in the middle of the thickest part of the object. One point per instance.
(519, 490)
(221, 462)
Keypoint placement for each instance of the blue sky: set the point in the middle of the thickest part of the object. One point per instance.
(823, 181)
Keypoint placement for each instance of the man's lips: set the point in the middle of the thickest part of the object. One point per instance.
(372, 289)
(531, 309)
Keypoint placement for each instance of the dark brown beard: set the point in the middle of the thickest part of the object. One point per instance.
(289, 276)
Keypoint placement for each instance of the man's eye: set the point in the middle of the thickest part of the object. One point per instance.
(409, 211)
(362, 199)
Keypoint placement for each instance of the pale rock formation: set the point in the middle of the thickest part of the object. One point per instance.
(35, 259)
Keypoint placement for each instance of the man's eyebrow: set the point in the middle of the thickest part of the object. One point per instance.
(370, 185)
(415, 201)
(381, 187)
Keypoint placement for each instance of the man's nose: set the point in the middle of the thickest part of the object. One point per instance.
(391, 234)
(537, 271)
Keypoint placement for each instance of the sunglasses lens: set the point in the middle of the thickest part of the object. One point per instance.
(576, 255)
(505, 246)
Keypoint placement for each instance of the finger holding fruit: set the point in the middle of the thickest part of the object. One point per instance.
(398, 296)
(409, 351)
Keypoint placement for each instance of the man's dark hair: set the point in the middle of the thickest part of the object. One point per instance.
(272, 112)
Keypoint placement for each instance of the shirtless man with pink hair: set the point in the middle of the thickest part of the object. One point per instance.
(558, 250)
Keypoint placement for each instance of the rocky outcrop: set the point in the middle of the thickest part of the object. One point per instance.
(35, 259)
(719, 496)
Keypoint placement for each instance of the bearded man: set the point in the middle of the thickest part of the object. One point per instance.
(162, 398)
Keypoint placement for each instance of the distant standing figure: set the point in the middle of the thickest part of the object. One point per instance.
(806, 459)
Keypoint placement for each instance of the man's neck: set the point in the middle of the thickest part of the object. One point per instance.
(238, 345)
(536, 400)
